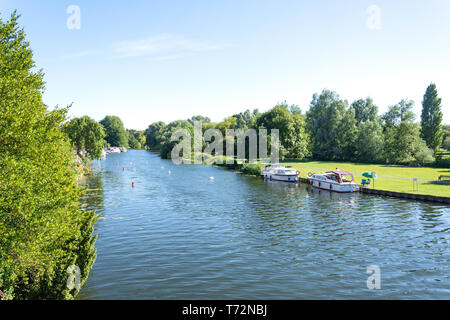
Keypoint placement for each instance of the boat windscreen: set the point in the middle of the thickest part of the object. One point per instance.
(347, 178)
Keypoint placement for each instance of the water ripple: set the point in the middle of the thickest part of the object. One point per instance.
(183, 236)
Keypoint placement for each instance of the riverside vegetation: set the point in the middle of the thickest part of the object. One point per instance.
(43, 228)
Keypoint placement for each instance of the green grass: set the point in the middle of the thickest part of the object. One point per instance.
(390, 177)
(444, 153)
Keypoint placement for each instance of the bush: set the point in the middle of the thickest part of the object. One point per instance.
(43, 230)
(442, 163)
(251, 169)
(447, 143)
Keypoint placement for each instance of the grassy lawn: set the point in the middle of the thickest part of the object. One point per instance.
(445, 154)
(390, 178)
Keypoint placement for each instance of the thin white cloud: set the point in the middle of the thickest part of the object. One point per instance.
(163, 47)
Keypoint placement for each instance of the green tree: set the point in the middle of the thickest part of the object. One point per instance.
(421, 152)
(369, 142)
(116, 135)
(365, 110)
(294, 140)
(199, 118)
(243, 119)
(324, 120)
(247, 119)
(294, 109)
(43, 230)
(298, 140)
(432, 119)
(136, 139)
(153, 135)
(401, 134)
(447, 143)
(86, 134)
(446, 132)
(166, 144)
(346, 135)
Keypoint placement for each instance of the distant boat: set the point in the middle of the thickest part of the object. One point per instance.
(279, 172)
(113, 150)
(337, 181)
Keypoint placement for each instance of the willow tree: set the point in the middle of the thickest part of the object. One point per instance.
(43, 230)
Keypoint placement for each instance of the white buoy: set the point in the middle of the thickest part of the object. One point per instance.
(170, 172)
(211, 178)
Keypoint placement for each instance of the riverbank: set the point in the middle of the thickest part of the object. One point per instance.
(390, 177)
(392, 180)
(83, 167)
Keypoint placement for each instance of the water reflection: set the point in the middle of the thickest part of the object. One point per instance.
(93, 197)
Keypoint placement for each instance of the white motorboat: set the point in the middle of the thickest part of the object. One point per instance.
(113, 150)
(279, 172)
(337, 181)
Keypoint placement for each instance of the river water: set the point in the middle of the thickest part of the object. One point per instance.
(178, 234)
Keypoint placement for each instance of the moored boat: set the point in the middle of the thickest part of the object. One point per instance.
(278, 172)
(113, 150)
(337, 181)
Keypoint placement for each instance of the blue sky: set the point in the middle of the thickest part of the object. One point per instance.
(146, 61)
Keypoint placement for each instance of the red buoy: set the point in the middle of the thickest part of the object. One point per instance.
(132, 184)
(123, 169)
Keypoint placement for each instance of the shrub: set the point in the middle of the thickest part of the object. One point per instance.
(43, 230)
(447, 143)
(251, 169)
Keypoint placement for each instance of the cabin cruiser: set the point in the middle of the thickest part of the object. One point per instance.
(113, 150)
(338, 181)
(279, 172)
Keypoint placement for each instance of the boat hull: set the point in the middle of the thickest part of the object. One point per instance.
(334, 187)
(282, 178)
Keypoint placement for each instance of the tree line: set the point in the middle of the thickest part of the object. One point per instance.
(90, 137)
(334, 130)
(331, 130)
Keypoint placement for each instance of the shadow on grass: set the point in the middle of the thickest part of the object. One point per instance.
(443, 183)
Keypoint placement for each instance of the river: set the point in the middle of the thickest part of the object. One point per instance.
(178, 234)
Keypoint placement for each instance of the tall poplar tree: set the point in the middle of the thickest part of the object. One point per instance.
(431, 130)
